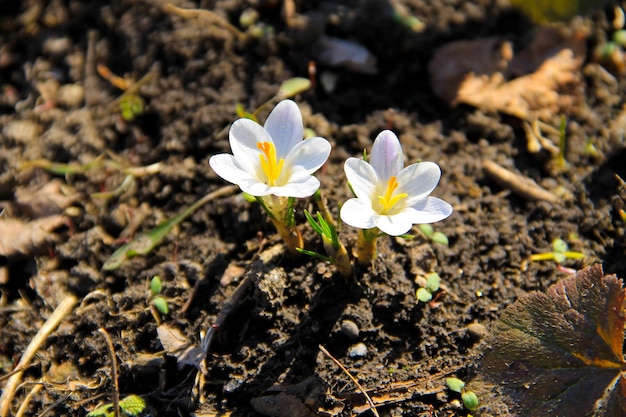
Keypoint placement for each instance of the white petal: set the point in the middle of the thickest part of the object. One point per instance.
(306, 187)
(306, 158)
(386, 156)
(253, 187)
(395, 225)
(284, 125)
(362, 178)
(226, 166)
(357, 214)
(428, 210)
(244, 135)
(418, 180)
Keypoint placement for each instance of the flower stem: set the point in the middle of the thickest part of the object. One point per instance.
(290, 234)
(341, 260)
(366, 246)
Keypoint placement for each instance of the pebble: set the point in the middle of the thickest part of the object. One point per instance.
(477, 330)
(350, 329)
(357, 351)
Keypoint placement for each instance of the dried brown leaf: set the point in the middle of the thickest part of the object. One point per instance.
(26, 238)
(46, 201)
(176, 344)
(543, 80)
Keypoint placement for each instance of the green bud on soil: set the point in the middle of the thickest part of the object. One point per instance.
(423, 295)
(470, 400)
(455, 384)
(440, 238)
(161, 305)
(432, 282)
(155, 285)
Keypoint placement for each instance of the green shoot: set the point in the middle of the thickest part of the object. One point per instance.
(132, 406)
(131, 106)
(158, 301)
(155, 285)
(121, 189)
(436, 237)
(455, 384)
(559, 163)
(560, 252)
(143, 243)
(425, 294)
(470, 399)
(288, 89)
(292, 87)
(325, 228)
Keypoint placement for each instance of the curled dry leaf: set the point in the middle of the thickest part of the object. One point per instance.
(560, 352)
(48, 200)
(26, 238)
(176, 344)
(543, 80)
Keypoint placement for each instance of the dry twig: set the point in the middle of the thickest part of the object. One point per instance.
(61, 312)
(205, 16)
(523, 186)
(116, 389)
(356, 382)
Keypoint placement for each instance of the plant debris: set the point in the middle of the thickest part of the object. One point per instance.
(542, 80)
(560, 352)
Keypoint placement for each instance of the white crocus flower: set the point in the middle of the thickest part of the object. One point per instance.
(273, 159)
(389, 196)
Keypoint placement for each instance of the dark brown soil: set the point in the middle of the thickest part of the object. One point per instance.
(266, 358)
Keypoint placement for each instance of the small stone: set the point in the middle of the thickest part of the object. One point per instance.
(477, 330)
(350, 329)
(357, 351)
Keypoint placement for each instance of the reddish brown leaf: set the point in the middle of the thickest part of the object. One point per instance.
(560, 353)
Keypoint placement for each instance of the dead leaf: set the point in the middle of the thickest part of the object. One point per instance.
(232, 273)
(176, 344)
(26, 238)
(543, 80)
(48, 200)
(560, 353)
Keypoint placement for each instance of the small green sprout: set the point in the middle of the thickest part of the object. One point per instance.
(131, 106)
(143, 243)
(289, 88)
(425, 294)
(560, 253)
(558, 163)
(470, 399)
(132, 406)
(157, 300)
(455, 384)
(338, 255)
(430, 233)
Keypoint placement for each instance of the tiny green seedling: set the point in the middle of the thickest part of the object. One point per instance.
(289, 88)
(157, 300)
(470, 399)
(133, 405)
(560, 252)
(337, 253)
(430, 233)
(425, 294)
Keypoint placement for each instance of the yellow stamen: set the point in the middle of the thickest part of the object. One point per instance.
(271, 167)
(388, 201)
